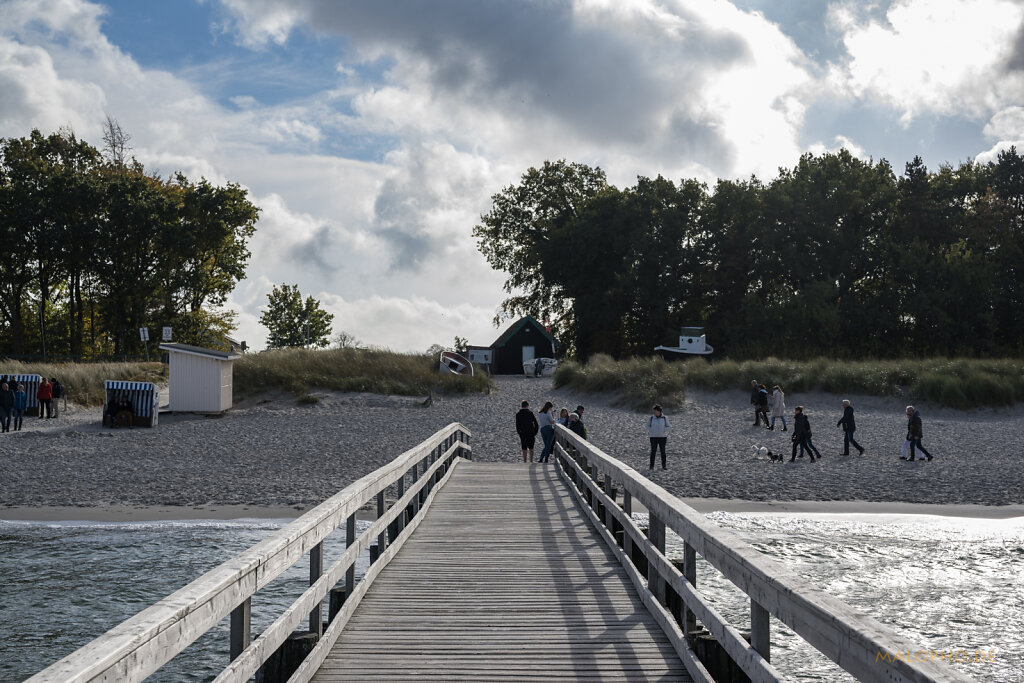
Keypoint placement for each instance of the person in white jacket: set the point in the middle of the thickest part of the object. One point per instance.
(657, 429)
(778, 407)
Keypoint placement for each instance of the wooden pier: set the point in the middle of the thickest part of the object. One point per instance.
(497, 571)
(504, 580)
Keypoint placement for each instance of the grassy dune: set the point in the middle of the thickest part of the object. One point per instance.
(367, 370)
(955, 383)
(83, 382)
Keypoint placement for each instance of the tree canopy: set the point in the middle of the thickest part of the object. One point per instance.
(292, 321)
(836, 256)
(96, 247)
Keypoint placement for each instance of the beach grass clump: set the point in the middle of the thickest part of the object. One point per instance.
(83, 382)
(637, 382)
(955, 383)
(377, 371)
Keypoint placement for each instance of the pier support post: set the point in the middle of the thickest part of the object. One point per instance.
(760, 637)
(350, 540)
(656, 532)
(316, 570)
(382, 537)
(241, 624)
(627, 507)
(690, 574)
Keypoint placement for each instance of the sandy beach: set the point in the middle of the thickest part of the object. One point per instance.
(270, 457)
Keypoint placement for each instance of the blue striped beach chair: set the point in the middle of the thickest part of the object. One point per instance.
(144, 397)
(31, 383)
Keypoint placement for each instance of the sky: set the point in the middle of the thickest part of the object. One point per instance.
(373, 135)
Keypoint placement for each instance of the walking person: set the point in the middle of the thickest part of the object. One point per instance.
(778, 407)
(755, 400)
(915, 432)
(20, 404)
(45, 396)
(58, 393)
(6, 407)
(546, 418)
(849, 426)
(801, 434)
(657, 430)
(526, 428)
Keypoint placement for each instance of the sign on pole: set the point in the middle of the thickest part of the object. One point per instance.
(144, 334)
(167, 334)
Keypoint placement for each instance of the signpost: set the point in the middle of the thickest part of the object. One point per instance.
(167, 334)
(144, 336)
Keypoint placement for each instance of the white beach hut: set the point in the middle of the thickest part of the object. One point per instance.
(200, 379)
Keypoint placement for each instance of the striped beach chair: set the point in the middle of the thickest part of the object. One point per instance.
(31, 383)
(144, 397)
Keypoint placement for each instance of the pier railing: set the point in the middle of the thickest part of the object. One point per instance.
(139, 646)
(862, 646)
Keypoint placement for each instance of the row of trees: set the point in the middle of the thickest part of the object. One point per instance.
(836, 256)
(94, 248)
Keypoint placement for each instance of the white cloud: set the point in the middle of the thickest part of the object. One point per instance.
(947, 58)
(1007, 128)
(839, 142)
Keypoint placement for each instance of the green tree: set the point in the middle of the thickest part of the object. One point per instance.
(524, 235)
(293, 321)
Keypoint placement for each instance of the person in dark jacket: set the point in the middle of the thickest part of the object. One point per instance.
(58, 392)
(849, 426)
(581, 427)
(6, 407)
(915, 432)
(755, 400)
(526, 428)
(801, 433)
(576, 425)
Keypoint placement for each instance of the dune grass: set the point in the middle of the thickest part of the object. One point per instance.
(955, 383)
(365, 370)
(83, 382)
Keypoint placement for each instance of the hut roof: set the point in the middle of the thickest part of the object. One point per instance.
(510, 332)
(200, 351)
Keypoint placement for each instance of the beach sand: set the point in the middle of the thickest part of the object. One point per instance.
(270, 457)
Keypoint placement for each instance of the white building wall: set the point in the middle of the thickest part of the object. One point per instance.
(197, 384)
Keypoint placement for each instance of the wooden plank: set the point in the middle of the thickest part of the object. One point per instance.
(504, 579)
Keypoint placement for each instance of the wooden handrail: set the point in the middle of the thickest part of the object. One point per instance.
(856, 642)
(139, 646)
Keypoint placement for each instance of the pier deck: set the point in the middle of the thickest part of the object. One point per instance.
(503, 579)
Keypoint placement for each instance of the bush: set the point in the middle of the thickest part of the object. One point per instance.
(960, 383)
(83, 382)
(364, 370)
(638, 382)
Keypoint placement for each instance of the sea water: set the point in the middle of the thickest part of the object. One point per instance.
(949, 585)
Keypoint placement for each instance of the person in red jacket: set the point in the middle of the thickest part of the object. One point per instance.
(45, 396)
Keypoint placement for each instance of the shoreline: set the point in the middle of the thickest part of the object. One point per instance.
(173, 513)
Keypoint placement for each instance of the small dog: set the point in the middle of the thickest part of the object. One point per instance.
(763, 451)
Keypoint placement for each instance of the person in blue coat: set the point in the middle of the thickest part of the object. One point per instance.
(20, 406)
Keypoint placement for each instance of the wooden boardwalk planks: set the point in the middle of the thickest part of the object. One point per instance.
(503, 580)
